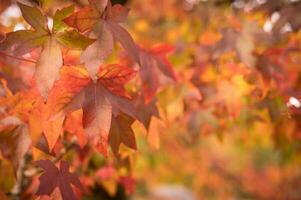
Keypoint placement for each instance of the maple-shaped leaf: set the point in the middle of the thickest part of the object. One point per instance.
(121, 132)
(50, 61)
(99, 101)
(153, 63)
(105, 23)
(54, 177)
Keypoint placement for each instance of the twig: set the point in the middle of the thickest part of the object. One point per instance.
(17, 188)
(17, 58)
(35, 170)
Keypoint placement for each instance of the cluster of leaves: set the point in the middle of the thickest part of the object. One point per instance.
(83, 101)
(224, 98)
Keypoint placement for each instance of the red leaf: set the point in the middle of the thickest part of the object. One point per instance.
(98, 100)
(54, 177)
(113, 77)
(152, 63)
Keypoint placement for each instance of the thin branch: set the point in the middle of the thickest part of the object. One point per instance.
(17, 58)
(35, 170)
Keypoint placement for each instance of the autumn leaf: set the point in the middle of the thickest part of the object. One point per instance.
(121, 132)
(50, 60)
(105, 23)
(99, 101)
(153, 63)
(54, 177)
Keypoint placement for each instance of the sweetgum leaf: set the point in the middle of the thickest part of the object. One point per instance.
(153, 63)
(54, 177)
(99, 100)
(105, 30)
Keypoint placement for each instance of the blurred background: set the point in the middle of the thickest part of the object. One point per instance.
(231, 127)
